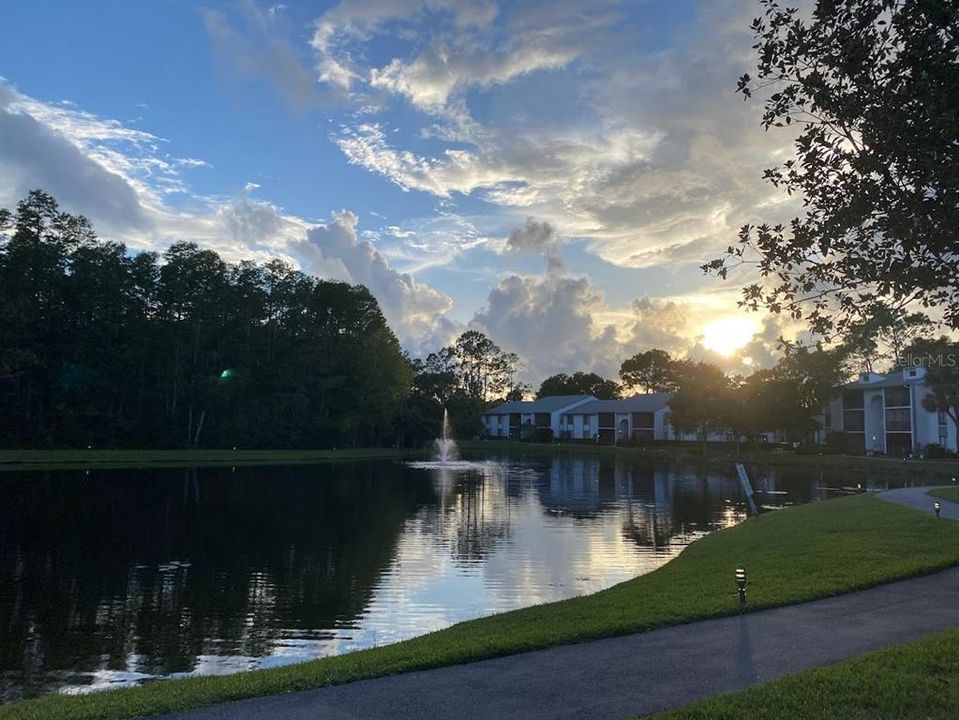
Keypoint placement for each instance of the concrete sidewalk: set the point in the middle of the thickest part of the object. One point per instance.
(641, 673)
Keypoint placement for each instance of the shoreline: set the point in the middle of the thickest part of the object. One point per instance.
(93, 459)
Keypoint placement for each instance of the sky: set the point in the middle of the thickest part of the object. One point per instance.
(550, 173)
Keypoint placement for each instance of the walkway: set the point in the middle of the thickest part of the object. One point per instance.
(642, 673)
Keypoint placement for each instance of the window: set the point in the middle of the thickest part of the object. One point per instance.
(827, 420)
(898, 444)
(898, 420)
(643, 420)
(853, 420)
(852, 400)
(897, 397)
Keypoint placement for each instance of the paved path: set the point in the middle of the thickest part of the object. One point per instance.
(916, 498)
(642, 673)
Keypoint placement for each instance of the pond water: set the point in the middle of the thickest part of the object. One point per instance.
(114, 577)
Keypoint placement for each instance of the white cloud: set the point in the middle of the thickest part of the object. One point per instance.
(121, 179)
(413, 309)
(549, 322)
(658, 164)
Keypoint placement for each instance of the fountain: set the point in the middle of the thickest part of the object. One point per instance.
(446, 458)
(445, 445)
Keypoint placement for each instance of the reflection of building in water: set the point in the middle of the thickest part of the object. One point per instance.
(474, 510)
(657, 502)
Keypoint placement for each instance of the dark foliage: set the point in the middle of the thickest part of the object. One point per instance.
(102, 347)
(872, 87)
(579, 383)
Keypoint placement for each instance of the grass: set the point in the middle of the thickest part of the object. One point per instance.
(793, 555)
(914, 681)
(105, 459)
(725, 454)
(946, 493)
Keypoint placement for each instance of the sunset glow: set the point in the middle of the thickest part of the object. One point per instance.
(727, 335)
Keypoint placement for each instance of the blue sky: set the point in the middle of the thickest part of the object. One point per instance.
(551, 173)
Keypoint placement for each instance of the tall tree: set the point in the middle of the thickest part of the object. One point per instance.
(940, 358)
(872, 87)
(654, 371)
(579, 383)
(101, 346)
(698, 405)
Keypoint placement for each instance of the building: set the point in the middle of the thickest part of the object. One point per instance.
(638, 418)
(883, 414)
(632, 419)
(519, 420)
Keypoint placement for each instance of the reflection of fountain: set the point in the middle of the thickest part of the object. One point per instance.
(445, 445)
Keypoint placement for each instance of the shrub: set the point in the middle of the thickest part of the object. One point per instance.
(543, 435)
(935, 451)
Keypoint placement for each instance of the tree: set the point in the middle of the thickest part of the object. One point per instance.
(882, 336)
(102, 346)
(485, 371)
(941, 359)
(654, 371)
(579, 383)
(698, 405)
(872, 87)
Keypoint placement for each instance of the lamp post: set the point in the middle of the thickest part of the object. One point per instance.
(937, 507)
(741, 584)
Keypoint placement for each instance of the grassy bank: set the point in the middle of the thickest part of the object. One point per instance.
(915, 681)
(798, 554)
(946, 493)
(102, 459)
(725, 455)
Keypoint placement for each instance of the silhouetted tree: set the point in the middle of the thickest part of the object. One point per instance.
(579, 383)
(873, 87)
(101, 346)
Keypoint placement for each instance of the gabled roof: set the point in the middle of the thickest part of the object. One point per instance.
(893, 379)
(543, 405)
(637, 403)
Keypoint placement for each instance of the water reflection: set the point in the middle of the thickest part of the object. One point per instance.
(114, 577)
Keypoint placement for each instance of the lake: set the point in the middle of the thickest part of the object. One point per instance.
(110, 578)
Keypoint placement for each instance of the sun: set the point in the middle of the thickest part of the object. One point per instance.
(727, 335)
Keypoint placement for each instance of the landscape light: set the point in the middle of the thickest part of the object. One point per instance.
(937, 507)
(741, 584)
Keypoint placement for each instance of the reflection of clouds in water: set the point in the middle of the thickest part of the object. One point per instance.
(493, 536)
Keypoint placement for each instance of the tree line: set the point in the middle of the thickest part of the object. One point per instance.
(106, 347)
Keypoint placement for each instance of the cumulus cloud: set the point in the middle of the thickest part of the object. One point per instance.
(413, 309)
(659, 323)
(549, 322)
(538, 238)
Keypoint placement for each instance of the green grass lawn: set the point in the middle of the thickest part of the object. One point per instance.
(947, 493)
(915, 681)
(103, 459)
(725, 455)
(792, 555)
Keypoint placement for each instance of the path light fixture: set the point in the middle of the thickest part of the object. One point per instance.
(741, 584)
(937, 506)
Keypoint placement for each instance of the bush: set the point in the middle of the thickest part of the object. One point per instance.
(836, 442)
(543, 435)
(935, 451)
